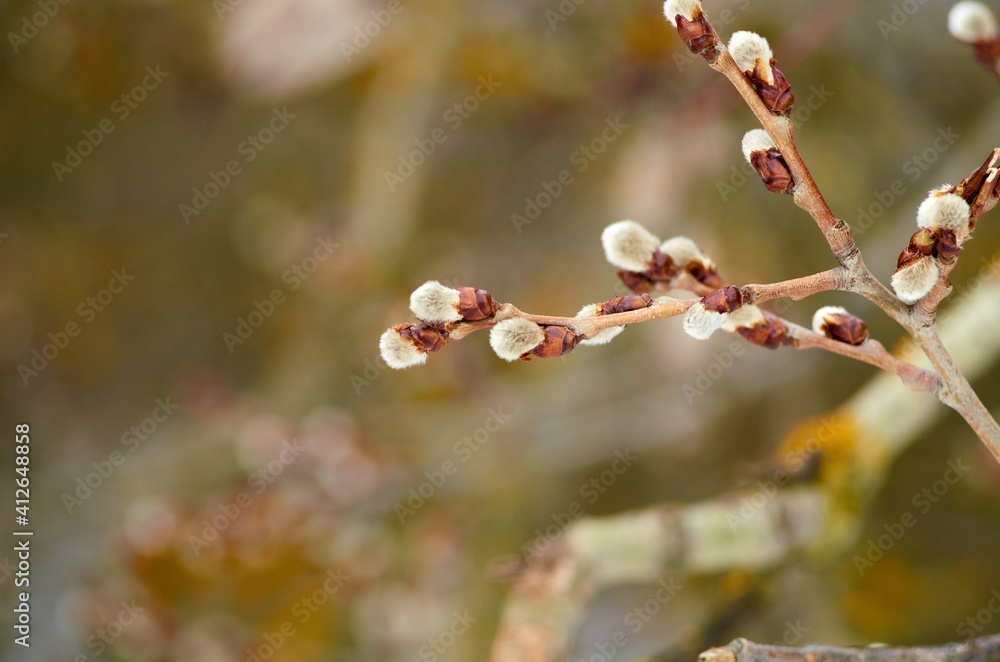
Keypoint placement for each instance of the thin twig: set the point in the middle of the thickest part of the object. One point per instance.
(983, 649)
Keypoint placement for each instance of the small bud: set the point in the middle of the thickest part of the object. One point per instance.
(558, 341)
(689, 9)
(750, 49)
(712, 312)
(625, 304)
(760, 152)
(754, 58)
(945, 211)
(406, 345)
(687, 256)
(836, 323)
(771, 332)
(914, 280)
(434, 302)
(514, 337)
(629, 246)
(972, 22)
(605, 335)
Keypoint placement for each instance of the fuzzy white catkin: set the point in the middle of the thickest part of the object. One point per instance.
(513, 337)
(916, 279)
(434, 302)
(746, 316)
(685, 8)
(701, 323)
(684, 251)
(629, 246)
(948, 211)
(972, 22)
(399, 353)
(601, 337)
(756, 140)
(748, 47)
(820, 317)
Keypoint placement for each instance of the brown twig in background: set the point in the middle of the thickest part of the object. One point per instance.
(983, 649)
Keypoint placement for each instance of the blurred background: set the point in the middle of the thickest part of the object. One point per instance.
(210, 211)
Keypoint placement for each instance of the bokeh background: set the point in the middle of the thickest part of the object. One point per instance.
(224, 486)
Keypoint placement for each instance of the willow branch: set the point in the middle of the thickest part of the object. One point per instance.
(918, 322)
(982, 649)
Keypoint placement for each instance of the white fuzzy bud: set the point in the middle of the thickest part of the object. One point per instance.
(749, 47)
(629, 246)
(515, 336)
(948, 211)
(602, 337)
(972, 22)
(746, 316)
(820, 320)
(700, 322)
(684, 251)
(685, 8)
(434, 302)
(916, 279)
(399, 353)
(756, 140)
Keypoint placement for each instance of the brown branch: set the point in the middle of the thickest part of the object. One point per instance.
(918, 322)
(871, 352)
(982, 649)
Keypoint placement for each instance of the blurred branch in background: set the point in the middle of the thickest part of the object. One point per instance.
(855, 447)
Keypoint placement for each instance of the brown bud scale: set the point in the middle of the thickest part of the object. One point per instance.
(773, 170)
(626, 303)
(947, 245)
(475, 304)
(725, 300)
(922, 243)
(704, 275)
(426, 336)
(637, 282)
(771, 333)
(845, 328)
(661, 268)
(558, 341)
(698, 36)
(778, 96)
